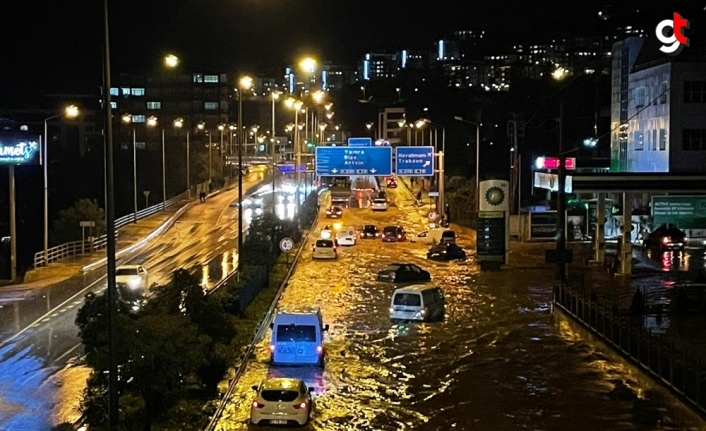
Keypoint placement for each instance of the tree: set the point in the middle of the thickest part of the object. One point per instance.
(67, 227)
(264, 234)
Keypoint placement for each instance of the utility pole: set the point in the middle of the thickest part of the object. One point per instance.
(561, 205)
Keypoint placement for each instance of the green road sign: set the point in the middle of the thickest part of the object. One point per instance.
(687, 212)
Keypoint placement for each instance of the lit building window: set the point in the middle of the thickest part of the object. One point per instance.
(210, 105)
(198, 77)
(154, 105)
(210, 78)
(114, 92)
(125, 91)
(138, 118)
(138, 91)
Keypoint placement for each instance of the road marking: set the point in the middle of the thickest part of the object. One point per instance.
(68, 352)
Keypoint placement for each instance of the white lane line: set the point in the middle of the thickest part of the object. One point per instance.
(68, 352)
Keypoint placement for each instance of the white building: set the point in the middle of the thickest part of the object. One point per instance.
(658, 109)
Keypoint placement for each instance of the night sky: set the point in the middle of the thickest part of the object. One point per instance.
(55, 46)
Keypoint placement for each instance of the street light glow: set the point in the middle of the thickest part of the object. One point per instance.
(152, 121)
(308, 65)
(245, 82)
(179, 123)
(171, 60)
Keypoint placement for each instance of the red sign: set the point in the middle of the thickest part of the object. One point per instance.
(555, 163)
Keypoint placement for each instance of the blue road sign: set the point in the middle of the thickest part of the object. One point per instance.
(415, 161)
(360, 142)
(344, 161)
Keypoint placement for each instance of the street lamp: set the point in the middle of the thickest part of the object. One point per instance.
(152, 122)
(245, 83)
(275, 97)
(178, 123)
(202, 126)
(441, 154)
(70, 111)
(558, 74)
(127, 118)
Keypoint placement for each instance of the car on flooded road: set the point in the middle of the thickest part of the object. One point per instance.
(403, 273)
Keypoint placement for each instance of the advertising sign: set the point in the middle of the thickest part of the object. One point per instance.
(687, 212)
(19, 150)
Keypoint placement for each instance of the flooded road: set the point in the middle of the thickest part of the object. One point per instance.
(498, 361)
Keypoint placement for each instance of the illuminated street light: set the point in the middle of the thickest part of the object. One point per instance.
(171, 61)
(70, 111)
(244, 83)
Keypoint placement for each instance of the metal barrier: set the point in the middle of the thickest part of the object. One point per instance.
(74, 248)
(685, 377)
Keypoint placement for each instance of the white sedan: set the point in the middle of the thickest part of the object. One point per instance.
(281, 401)
(346, 236)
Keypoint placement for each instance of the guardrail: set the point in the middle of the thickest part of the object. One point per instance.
(75, 248)
(262, 327)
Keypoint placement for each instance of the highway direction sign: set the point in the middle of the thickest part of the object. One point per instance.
(360, 142)
(345, 161)
(415, 161)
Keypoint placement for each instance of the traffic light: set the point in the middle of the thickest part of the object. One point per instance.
(310, 144)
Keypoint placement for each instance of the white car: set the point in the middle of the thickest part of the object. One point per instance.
(324, 249)
(379, 204)
(134, 277)
(281, 401)
(346, 236)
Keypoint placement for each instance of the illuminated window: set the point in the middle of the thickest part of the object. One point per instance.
(114, 92)
(662, 139)
(113, 105)
(210, 105)
(138, 91)
(138, 118)
(125, 91)
(154, 105)
(210, 78)
(198, 77)
(639, 143)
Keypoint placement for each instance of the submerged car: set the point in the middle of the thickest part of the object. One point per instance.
(393, 234)
(370, 231)
(666, 238)
(131, 282)
(281, 401)
(446, 252)
(334, 212)
(402, 273)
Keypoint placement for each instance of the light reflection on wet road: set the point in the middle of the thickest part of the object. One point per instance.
(497, 362)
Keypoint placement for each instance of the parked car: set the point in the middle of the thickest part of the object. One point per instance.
(393, 234)
(281, 401)
(334, 212)
(435, 236)
(370, 231)
(402, 273)
(446, 252)
(666, 238)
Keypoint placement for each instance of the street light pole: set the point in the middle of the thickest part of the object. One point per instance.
(461, 119)
(561, 203)
(71, 112)
(134, 171)
(164, 177)
(244, 82)
(275, 96)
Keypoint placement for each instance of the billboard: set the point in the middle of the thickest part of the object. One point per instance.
(687, 212)
(19, 150)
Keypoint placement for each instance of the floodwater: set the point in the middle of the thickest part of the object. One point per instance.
(498, 361)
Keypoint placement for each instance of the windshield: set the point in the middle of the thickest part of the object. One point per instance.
(391, 229)
(324, 243)
(296, 333)
(380, 201)
(410, 299)
(371, 227)
(274, 395)
(126, 271)
(391, 268)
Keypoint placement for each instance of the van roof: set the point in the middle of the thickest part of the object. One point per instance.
(416, 288)
(299, 310)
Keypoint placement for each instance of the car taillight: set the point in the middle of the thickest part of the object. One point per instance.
(301, 405)
(319, 349)
(272, 347)
(399, 236)
(257, 405)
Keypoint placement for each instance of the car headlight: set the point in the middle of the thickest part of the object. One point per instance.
(134, 283)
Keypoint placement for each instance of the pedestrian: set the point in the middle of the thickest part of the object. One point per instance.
(202, 196)
(419, 195)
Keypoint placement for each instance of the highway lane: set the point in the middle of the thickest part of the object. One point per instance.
(203, 237)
